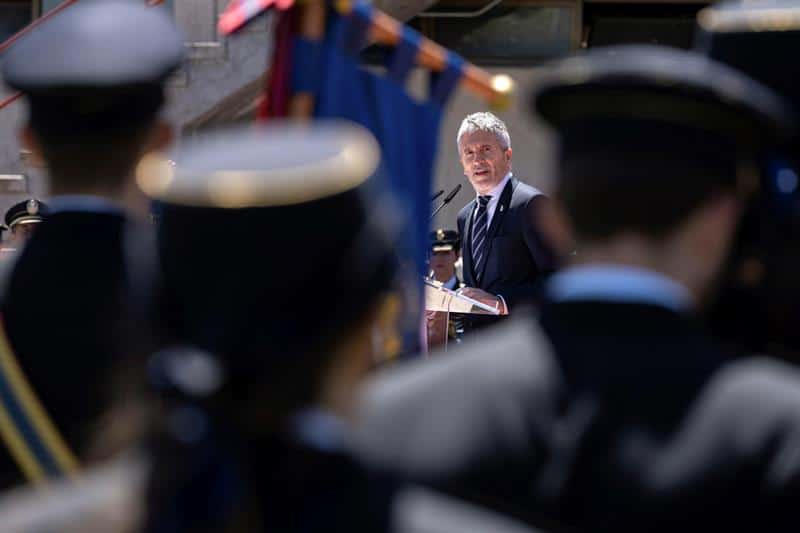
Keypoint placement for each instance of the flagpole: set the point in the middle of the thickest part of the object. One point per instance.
(496, 90)
(312, 28)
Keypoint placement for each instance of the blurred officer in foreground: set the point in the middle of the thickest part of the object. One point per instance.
(761, 309)
(653, 183)
(22, 219)
(655, 430)
(94, 82)
(260, 399)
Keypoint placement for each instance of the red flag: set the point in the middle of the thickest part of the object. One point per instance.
(240, 12)
(277, 93)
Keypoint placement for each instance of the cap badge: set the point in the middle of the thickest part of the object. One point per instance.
(32, 207)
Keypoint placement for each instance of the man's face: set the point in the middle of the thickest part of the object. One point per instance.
(443, 264)
(484, 161)
(22, 232)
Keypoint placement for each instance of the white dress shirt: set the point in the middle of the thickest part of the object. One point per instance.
(495, 194)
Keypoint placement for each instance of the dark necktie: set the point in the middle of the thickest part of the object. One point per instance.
(479, 229)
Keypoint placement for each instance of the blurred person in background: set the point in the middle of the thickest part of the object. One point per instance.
(22, 220)
(91, 118)
(442, 256)
(648, 424)
(504, 255)
(444, 252)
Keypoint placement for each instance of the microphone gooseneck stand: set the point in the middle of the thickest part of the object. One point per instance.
(447, 200)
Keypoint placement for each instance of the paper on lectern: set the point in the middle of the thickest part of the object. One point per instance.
(439, 298)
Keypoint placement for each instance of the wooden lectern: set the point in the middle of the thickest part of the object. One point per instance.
(439, 298)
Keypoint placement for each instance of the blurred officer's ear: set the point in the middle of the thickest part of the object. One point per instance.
(30, 148)
(553, 221)
(160, 136)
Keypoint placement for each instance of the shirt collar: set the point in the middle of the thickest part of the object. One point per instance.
(320, 429)
(84, 203)
(498, 189)
(618, 283)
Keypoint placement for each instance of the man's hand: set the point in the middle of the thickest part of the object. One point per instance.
(485, 298)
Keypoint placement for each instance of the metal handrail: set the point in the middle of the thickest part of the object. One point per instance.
(10, 99)
(38, 22)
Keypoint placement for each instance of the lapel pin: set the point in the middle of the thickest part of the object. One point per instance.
(501, 208)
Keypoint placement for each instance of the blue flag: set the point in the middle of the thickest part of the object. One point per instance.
(407, 130)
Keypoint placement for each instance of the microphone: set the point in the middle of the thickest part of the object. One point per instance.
(447, 199)
(452, 194)
(437, 195)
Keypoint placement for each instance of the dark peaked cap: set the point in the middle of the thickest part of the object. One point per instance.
(302, 239)
(26, 211)
(96, 66)
(444, 240)
(620, 109)
(758, 39)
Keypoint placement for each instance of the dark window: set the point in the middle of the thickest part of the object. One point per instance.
(514, 32)
(14, 15)
(669, 25)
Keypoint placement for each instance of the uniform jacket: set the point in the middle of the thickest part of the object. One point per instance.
(667, 431)
(474, 421)
(636, 421)
(627, 367)
(309, 481)
(72, 316)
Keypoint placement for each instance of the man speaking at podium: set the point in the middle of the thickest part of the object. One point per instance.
(504, 254)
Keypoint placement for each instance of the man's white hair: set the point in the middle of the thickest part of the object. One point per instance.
(485, 121)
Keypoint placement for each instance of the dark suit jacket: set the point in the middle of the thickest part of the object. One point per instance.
(517, 256)
(70, 316)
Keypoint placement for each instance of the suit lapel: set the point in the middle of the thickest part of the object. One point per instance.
(497, 220)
